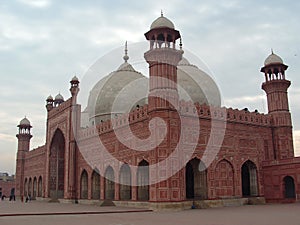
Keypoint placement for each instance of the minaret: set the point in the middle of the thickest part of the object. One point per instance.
(163, 101)
(163, 59)
(74, 88)
(74, 127)
(276, 87)
(49, 103)
(24, 137)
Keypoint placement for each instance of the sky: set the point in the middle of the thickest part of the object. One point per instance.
(44, 43)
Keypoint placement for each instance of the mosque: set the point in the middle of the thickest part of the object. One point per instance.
(174, 146)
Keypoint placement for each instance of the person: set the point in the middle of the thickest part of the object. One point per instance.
(27, 199)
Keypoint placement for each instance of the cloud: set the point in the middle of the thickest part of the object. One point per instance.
(36, 3)
(7, 137)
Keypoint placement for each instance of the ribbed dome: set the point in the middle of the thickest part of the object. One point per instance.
(50, 98)
(25, 122)
(199, 86)
(75, 78)
(162, 22)
(273, 59)
(105, 92)
(59, 97)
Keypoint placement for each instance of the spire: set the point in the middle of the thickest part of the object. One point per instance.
(272, 52)
(161, 13)
(126, 57)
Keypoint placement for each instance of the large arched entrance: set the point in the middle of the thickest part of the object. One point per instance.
(57, 166)
(34, 188)
(125, 182)
(109, 183)
(249, 179)
(26, 187)
(143, 181)
(289, 187)
(40, 187)
(84, 185)
(95, 185)
(30, 187)
(195, 180)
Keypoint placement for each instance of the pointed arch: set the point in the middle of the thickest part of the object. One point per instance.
(196, 179)
(40, 187)
(125, 182)
(95, 185)
(249, 179)
(289, 187)
(57, 165)
(30, 187)
(84, 185)
(34, 189)
(143, 181)
(109, 183)
(25, 187)
(224, 179)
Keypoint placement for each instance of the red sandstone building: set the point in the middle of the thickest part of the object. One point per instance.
(197, 151)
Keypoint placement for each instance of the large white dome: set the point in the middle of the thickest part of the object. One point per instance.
(119, 84)
(122, 83)
(199, 86)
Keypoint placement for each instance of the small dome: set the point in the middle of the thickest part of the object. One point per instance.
(273, 59)
(59, 97)
(50, 98)
(162, 22)
(74, 79)
(25, 122)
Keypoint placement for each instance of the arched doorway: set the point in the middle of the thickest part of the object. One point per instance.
(249, 179)
(30, 187)
(143, 181)
(224, 179)
(289, 187)
(26, 187)
(95, 185)
(34, 188)
(109, 183)
(57, 165)
(195, 180)
(40, 187)
(125, 182)
(84, 185)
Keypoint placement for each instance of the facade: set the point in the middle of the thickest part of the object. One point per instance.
(252, 155)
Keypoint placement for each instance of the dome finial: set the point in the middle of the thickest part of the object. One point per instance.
(161, 13)
(272, 51)
(126, 57)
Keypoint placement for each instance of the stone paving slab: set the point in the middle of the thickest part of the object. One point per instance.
(35, 207)
(285, 214)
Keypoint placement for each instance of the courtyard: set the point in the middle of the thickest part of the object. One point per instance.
(37, 213)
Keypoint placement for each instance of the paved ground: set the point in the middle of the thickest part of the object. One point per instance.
(286, 214)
